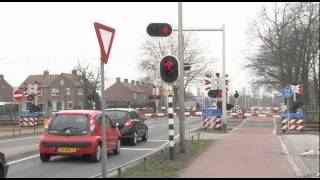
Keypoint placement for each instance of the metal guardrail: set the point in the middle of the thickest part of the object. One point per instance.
(145, 157)
(15, 130)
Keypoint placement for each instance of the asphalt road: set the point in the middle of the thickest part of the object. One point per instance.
(73, 167)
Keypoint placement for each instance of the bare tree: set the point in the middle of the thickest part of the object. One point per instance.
(91, 83)
(156, 48)
(289, 49)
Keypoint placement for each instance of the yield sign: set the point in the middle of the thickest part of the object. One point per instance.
(105, 36)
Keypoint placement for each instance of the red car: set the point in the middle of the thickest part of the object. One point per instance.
(77, 133)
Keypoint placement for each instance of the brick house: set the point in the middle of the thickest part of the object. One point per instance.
(59, 91)
(120, 94)
(6, 90)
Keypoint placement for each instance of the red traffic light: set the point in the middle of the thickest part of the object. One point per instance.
(159, 29)
(168, 64)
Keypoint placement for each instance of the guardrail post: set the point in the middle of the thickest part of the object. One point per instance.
(145, 163)
(119, 172)
(19, 131)
(192, 138)
(161, 156)
(198, 136)
(34, 130)
(13, 132)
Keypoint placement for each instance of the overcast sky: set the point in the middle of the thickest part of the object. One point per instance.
(55, 36)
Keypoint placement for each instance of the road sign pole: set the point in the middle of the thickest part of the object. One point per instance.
(224, 104)
(288, 109)
(103, 124)
(181, 80)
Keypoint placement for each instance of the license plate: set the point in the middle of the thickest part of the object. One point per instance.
(66, 150)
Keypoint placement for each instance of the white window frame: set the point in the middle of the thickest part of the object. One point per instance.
(70, 103)
(54, 92)
(80, 91)
(68, 91)
(61, 82)
(135, 96)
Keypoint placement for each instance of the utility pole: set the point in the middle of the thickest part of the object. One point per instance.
(181, 80)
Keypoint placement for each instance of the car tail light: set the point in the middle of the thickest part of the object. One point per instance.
(129, 123)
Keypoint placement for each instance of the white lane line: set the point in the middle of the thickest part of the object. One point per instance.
(157, 140)
(294, 166)
(19, 139)
(275, 126)
(239, 125)
(24, 159)
(138, 149)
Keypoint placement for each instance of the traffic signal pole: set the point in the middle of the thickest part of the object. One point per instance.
(181, 81)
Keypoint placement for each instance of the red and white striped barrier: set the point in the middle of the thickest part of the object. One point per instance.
(294, 124)
(28, 121)
(212, 123)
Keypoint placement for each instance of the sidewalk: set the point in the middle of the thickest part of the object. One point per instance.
(249, 151)
(303, 150)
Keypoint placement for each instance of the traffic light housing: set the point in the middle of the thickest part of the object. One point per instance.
(169, 69)
(212, 93)
(159, 29)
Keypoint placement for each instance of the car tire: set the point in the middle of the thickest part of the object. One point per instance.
(134, 139)
(117, 150)
(45, 157)
(1, 172)
(145, 136)
(96, 156)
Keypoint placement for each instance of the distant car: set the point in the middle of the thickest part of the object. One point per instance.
(4, 167)
(77, 133)
(131, 124)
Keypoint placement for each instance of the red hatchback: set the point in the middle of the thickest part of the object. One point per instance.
(77, 133)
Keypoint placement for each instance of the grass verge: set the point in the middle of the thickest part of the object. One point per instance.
(168, 168)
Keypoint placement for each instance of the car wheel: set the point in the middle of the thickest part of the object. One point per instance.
(96, 156)
(117, 150)
(145, 136)
(1, 172)
(134, 139)
(45, 157)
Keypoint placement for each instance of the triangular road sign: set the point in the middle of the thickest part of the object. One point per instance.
(105, 36)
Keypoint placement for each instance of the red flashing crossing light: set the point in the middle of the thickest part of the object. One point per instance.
(159, 29)
(219, 93)
(169, 69)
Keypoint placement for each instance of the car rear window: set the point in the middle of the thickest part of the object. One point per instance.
(120, 117)
(75, 121)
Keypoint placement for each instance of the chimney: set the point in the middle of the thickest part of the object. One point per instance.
(125, 80)
(46, 72)
(132, 82)
(74, 72)
(118, 80)
(138, 83)
(1, 77)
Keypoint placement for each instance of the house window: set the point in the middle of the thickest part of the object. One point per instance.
(68, 91)
(69, 104)
(46, 90)
(39, 92)
(134, 95)
(55, 92)
(61, 82)
(80, 106)
(80, 91)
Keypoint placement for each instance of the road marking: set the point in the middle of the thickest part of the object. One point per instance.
(275, 126)
(19, 139)
(24, 159)
(294, 166)
(239, 125)
(157, 140)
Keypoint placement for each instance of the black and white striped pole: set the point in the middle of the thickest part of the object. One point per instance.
(171, 125)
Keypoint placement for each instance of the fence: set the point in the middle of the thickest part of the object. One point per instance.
(311, 117)
(161, 149)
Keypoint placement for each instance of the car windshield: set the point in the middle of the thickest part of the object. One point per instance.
(66, 121)
(120, 117)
